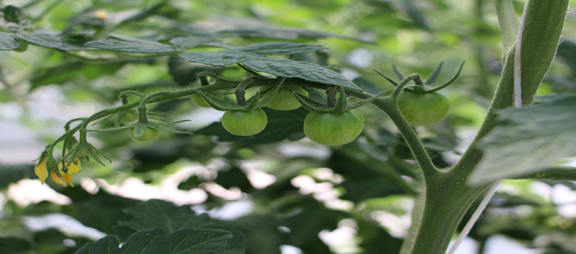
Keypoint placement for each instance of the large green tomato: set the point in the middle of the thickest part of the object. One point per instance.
(333, 129)
(148, 135)
(422, 109)
(199, 101)
(245, 123)
(285, 100)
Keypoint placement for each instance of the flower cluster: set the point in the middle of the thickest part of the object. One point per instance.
(65, 172)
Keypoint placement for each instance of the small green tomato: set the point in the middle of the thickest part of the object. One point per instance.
(148, 135)
(245, 123)
(333, 129)
(199, 101)
(130, 116)
(422, 108)
(285, 100)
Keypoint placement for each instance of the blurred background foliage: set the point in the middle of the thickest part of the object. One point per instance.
(285, 193)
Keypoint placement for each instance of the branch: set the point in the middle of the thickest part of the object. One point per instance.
(555, 173)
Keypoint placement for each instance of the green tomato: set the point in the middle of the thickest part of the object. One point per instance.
(333, 129)
(130, 116)
(148, 135)
(285, 100)
(199, 101)
(422, 109)
(245, 123)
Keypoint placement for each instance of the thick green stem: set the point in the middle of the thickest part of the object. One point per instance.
(445, 204)
(389, 106)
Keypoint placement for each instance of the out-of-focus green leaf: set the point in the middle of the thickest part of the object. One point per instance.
(157, 213)
(306, 217)
(44, 40)
(13, 245)
(254, 28)
(8, 41)
(61, 74)
(131, 45)
(283, 68)
(101, 211)
(184, 72)
(192, 42)
(14, 14)
(170, 218)
(154, 241)
(567, 54)
(281, 125)
(528, 139)
(13, 173)
(278, 48)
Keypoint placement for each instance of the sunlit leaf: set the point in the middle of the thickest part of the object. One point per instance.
(527, 140)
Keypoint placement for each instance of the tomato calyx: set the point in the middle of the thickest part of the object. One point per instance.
(429, 86)
(241, 104)
(336, 102)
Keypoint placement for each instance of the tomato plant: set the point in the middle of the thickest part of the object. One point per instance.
(422, 108)
(245, 123)
(285, 100)
(148, 135)
(199, 101)
(333, 128)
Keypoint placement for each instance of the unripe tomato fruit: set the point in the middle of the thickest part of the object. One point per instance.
(199, 101)
(245, 123)
(285, 100)
(422, 109)
(130, 116)
(148, 135)
(333, 129)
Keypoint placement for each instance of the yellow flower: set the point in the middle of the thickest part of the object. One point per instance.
(41, 171)
(74, 167)
(57, 179)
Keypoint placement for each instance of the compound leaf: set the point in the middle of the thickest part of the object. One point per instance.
(528, 139)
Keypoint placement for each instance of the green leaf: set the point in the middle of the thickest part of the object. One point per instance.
(192, 42)
(567, 54)
(154, 241)
(279, 48)
(63, 73)
(13, 173)
(170, 218)
(306, 217)
(254, 28)
(8, 41)
(218, 59)
(131, 45)
(14, 14)
(283, 68)
(527, 140)
(101, 211)
(45, 40)
(13, 245)
(157, 213)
